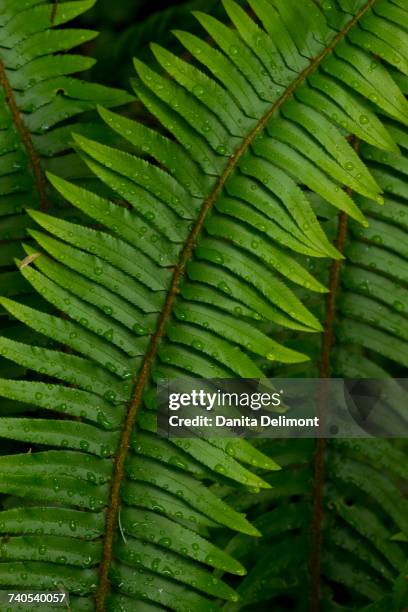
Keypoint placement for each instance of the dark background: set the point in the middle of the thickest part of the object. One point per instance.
(128, 26)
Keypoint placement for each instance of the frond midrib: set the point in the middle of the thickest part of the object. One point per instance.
(54, 10)
(320, 448)
(178, 274)
(324, 373)
(25, 135)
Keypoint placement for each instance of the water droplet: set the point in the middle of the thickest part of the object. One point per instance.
(198, 91)
(139, 329)
(165, 542)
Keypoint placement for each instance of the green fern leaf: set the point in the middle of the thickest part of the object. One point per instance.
(355, 554)
(194, 272)
(40, 104)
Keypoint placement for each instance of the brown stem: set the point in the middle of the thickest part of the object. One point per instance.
(35, 162)
(54, 10)
(325, 373)
(179, 271)
(328, 335)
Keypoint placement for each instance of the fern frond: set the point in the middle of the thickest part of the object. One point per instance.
(362, 520)
(40, 104)
(375, 300)
(363, 507)
(186, 275)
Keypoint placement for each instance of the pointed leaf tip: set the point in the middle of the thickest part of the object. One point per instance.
(37, 216)
(53, 178)
(139, 65)
(104, 113)
(57, 182)
(155, 47)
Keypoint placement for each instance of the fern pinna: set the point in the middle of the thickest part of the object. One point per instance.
(205, 235)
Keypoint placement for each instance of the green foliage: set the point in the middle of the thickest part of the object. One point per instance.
(40, 104)
(362, 510)
(128, 27)
(374, 302)
(202, 251)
